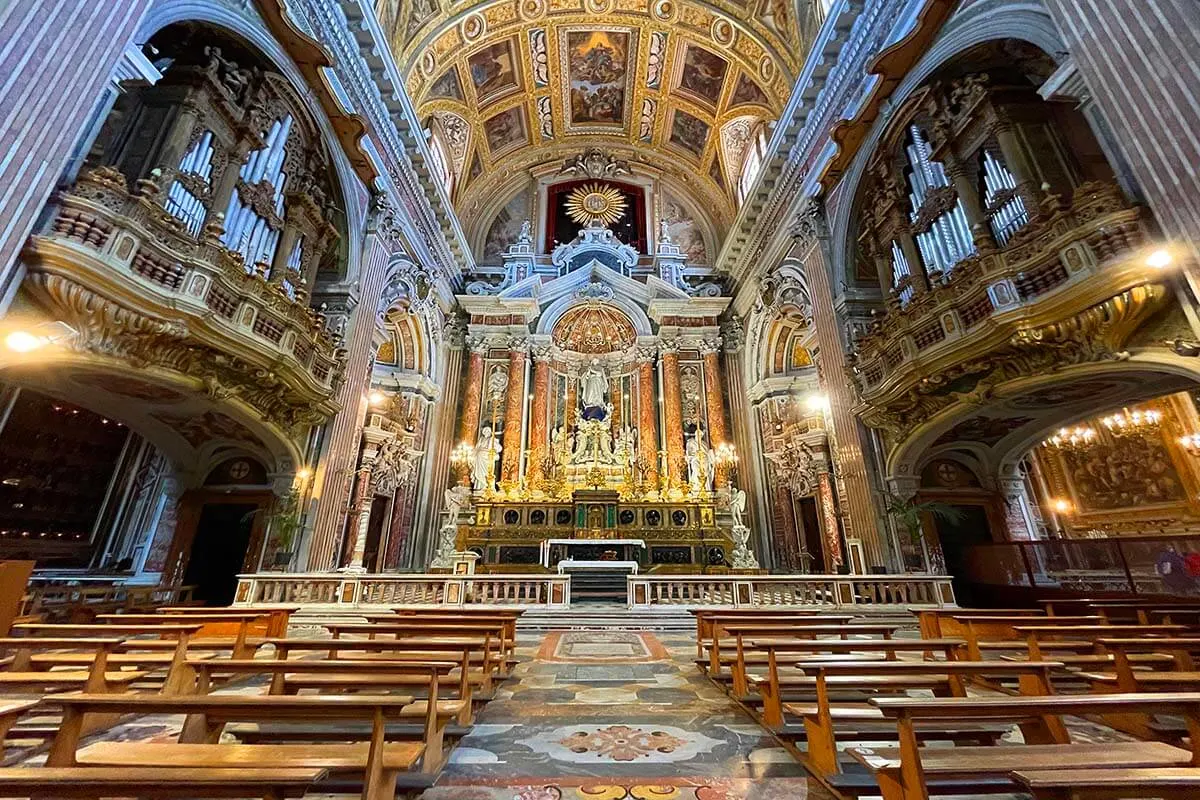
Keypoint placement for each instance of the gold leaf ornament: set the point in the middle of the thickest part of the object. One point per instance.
(596, 202)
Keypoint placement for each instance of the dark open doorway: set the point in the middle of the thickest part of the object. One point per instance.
(375, 528)
(223, 535)
(959, 536)
(810, 523)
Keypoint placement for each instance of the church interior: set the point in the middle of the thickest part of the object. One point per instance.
(600, 399)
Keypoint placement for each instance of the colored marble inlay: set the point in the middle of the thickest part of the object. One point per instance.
(601, 647)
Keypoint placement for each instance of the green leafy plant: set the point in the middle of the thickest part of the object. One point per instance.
(285, 521)
(909, 514)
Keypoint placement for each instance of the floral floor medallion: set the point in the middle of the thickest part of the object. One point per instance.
(622, 743)
(599, 744)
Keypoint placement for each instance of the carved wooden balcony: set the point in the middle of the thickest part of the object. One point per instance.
(128, 276)
(1070, 257)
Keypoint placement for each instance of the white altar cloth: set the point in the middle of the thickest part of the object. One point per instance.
(572, 564)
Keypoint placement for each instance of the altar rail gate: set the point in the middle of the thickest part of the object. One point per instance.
(554, 591)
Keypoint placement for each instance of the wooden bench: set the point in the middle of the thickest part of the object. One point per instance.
(929, 620)
(11, 710)
(508, 616)
(706, 618)
(277, 617)
(378, 761)
(1168, 783)
(825, 720)
(785, 651)
(96, 678)
(481, 669)
(741, 631)
(341, 677)
(492, 634)
(911, 772)
(89, 783)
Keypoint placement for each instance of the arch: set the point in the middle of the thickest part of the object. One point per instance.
(986, 21)
(193, 430)
(594, 329)
(1020, 412)
(353, 194)
(555, 311)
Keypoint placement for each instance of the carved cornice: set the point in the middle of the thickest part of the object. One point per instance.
(109, 329)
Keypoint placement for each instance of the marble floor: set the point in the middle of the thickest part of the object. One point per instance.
(616, 715)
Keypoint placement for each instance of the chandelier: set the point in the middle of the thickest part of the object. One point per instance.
(595, 202)
(1127, 423)
(1079, 437)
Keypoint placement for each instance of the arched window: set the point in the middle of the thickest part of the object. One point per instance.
(752, 162)
(440, 162)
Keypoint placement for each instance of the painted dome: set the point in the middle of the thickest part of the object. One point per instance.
(594, 328)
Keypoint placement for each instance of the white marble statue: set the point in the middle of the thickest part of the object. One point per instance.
(595, 386)
(498, 383)
(737, 507)
(455, 497)
(692, 457)
(485, 457)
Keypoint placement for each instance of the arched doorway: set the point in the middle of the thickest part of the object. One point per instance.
(221, 529)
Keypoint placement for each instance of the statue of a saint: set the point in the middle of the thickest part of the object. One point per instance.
(737, 507)
(485, 458)
(455, 498)
(594, 384)
(693, 458)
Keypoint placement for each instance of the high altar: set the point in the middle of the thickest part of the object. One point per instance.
(594, 411)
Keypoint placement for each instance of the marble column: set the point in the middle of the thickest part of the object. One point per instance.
(848, 441)
(647, 417)
(335, 465)
(514, 404)
(714, 400)
(571, 399)
(468, 428)
(539, 417)
(673, 400)
(353, 548)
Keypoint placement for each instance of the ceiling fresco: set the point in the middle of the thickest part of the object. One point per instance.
(523, 84)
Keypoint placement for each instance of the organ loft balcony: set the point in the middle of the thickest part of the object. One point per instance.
(1073, 255)
(110, 252)
(187, 249)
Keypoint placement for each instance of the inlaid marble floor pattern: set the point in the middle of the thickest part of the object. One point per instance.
(616, 715)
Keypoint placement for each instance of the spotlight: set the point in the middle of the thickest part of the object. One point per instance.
(1159, 259)
(376, 398)
(24, 342)
(1062, 506)
(303, 474)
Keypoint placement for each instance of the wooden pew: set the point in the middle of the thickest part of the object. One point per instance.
(88, 783)
(278, 617)
(1168, 783)
(11, 710)
(97, 677)
(773, 687)
(1041, 638)
(911, 772)
(508, 615)
(929, 620)
(998, 628)
(492, 634)
(459, 650)
(707, 617)
(741, 631)
(824, 720)
(243, 633)
(288, 677)
(378, 761)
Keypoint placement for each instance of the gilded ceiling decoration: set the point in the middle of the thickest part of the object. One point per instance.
(596, 202)
(653, 82)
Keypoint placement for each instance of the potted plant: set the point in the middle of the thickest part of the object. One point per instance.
(909, 516)
(284, 526)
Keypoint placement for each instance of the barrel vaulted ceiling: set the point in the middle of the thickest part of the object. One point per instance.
(675, 87)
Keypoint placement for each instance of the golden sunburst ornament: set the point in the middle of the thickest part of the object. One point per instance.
(596, 202)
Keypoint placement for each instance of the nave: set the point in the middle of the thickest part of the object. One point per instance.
(1078, 698)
